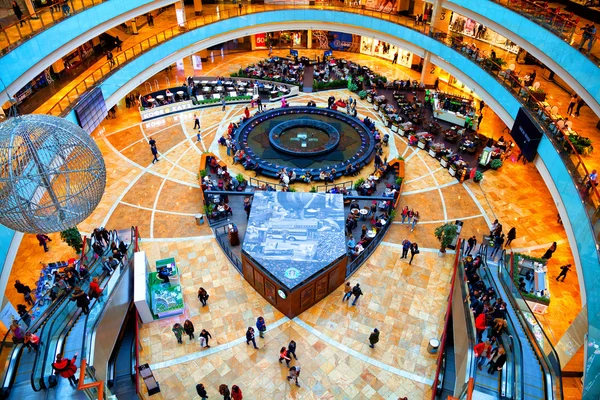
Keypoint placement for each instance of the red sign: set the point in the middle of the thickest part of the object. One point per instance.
(260, 40)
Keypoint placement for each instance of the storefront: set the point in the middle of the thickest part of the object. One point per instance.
(473, 29)
(376, 47)
(287, 39)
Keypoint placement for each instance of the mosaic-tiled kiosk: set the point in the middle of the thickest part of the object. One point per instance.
(294, 250)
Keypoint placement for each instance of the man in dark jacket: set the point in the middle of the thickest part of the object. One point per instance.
(201, 391)
(472, 242)
(250, 337)
(292, 349)
(374, 338)
(357, 292)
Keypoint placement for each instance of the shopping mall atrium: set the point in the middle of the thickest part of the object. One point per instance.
(398, 199)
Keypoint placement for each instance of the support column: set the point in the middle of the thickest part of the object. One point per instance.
(430, 71)
(309, 39)
(440, 18)
(253, 42)
(198, 7)
(31, 9)
(134, 28)
(180, 13)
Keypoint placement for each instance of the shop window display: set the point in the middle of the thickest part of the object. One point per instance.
(375, 47)
(468, 27)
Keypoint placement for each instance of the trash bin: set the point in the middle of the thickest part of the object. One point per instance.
(433, 346)
(199, 219)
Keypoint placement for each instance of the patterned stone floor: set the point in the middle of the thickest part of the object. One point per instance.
(405, 302)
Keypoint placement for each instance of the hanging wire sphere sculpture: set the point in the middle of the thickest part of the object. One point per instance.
(52, 174)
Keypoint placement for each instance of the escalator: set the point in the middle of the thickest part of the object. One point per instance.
(121, 370)
(21, 363)
(73, 332)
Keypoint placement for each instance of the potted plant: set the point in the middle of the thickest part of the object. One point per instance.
(362, 94)
(452, 170)
(399, 181)
(478, 177)
(241, 181)
(203, 173)
(72, 237)
(209, 209)
(446, 234)
(353, 87)
(421, 143)
(496, 163)
(358, 182)
(313, 189)
(538, 94)
(370, 96)
(444, 161)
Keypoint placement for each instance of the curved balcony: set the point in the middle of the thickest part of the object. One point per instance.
(565, 169)
(59, 35)
(580, 73)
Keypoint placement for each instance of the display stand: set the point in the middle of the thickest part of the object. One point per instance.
(234, 239)
(148, 377)
(166, 297)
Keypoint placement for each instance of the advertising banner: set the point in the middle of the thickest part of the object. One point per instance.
(260, 40)
(526, 133)
(336, 41)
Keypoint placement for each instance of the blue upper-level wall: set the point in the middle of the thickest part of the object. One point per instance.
(344, 22)
(568, 57)
(32, 51)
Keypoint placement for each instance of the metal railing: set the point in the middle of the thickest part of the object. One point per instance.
(348, 185)
(13, 35)
(561, 24)
(533, 329)
(237, 263)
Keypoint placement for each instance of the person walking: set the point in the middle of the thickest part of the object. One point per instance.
(414, 249)
(471, 244)
(395, 58)
(178, 331)
(201, 390)
(415, 219)
(572, 104)
(405, 247)
(18, 12)
(250, 337)
(512, 235)
(81, 300)
(374, 338)
(259, 104)
(236, 393)
(548, 254)
(224, 391)
(498, 242)
(284, 355)
(118, 43)
(203, 296)
(188, 327)
(66, 368)
(247, 113)
(261, 326)
(43, 241)
(294, 374)
(203, 337)
(240, 7)
(357, 292)
(580, 103)
(563, 272)
(25, 290)
(347, 292)
(292, 349)
(404, 214)
(270, 50)
(196, 122)
(589, 34)
(498, 358)
(223, 103)
(154, 151)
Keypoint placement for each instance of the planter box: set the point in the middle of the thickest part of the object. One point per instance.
(444, 163)
(394, 128)
(452, 170)
(376, 107)
(538, 96)
(421, 145)
(370, 99)
(432, 153)
(401, 132)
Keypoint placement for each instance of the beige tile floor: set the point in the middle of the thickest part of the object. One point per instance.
(405, 302)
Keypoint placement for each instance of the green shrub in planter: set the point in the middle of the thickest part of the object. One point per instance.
(399, 181)
(72, 237)
(353, 87)
(496, 163)
(358, 182)
(240, 178)
(478, 176)
(313, 189)
(362, 94)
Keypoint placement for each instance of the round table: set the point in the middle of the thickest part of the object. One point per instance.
(371, 234)
(160, 97)
(367, 186)
(382, 221)
(355, 211)
(221, 208)
(180, 92)
(170, 94)
(363, 213)
(151, 100)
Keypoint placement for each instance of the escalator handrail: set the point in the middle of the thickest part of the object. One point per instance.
(91, 268)
(471, 336)
(545, 362)
(483, 249)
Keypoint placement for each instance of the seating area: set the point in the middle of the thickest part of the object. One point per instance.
(275, 69)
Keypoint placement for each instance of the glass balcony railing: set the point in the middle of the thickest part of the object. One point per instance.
(527, 96)
(13, 35)
(560, 22)
(544, 349)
